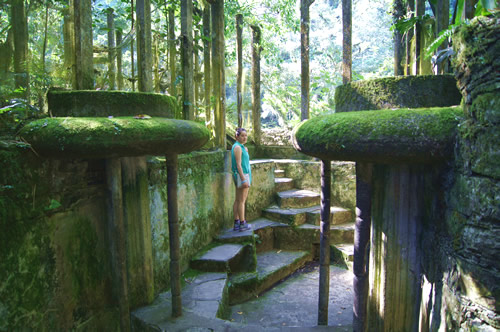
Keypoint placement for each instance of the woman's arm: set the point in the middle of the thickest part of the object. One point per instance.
(237, 157)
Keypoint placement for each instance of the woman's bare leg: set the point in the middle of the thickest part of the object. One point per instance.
(241, 202)
(235, 206)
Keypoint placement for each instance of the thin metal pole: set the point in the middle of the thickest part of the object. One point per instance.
(324, 253)
(173, 228)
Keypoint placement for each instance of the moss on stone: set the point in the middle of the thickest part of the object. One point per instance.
(398, 92)
(89, 103)
(113, 137)
(476, 62)
(384, 136)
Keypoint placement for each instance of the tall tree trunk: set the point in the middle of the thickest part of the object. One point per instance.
(197, 74)
(409, 36)
(324, 246)
(44, 50)
(187, 58)
(219, 79)
(304, 56)
(119, 70)
(69, 43)
(172, 50)
(144, 57)
(442, 22)
(256, 104)
(207, 61)
(156, 64)
(132, 69)
(420, 11)
(469, 9)
(362, 245)
(111, 49)
(6, 51)
(83, 45)
(20, 30)
(239, 53)
(398, 12)
(45, 35)
(346, 41)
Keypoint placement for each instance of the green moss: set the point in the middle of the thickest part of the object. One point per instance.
(385, 136)
(113, 137)
(485, 109)
(89, 103)
(397, 92)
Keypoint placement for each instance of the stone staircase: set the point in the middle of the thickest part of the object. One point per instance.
(238, 266)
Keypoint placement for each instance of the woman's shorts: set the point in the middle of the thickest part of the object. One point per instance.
(237, 180)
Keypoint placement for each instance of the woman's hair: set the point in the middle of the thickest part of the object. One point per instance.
(239, 131)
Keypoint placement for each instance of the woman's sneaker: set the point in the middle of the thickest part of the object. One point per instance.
(236, 226)
(244, 226)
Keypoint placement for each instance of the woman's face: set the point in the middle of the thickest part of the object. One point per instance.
(242, 138)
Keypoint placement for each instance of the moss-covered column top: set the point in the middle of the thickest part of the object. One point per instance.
(384, 136)
(113, 137)
(90, 103)
(398, 92)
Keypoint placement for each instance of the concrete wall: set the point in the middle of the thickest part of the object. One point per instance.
(470, 247)
(55, 261)
(205, 196)
(307, 175)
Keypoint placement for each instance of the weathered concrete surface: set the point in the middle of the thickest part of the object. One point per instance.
(261, 193)
(209, 188)
(338, 216)
(205, 295)
(226, 258)
(272, 266)
(294, 302)
(297, 198)
(306, 175)
(283, 184)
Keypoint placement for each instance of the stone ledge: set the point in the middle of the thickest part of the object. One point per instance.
(384, 136)
(398, 92)
(113, 137)
(90, 103)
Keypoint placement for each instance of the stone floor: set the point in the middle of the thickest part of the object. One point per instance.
(294, 302)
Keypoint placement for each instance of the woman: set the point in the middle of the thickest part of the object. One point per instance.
(242, 176)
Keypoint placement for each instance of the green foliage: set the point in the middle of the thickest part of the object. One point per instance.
(14, 114)
(483, 8)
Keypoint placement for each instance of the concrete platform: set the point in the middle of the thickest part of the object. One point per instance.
(297, 198)
(294, 302)
(292, 305)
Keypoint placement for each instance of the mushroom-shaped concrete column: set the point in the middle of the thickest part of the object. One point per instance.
(404, 146)
(110, 139)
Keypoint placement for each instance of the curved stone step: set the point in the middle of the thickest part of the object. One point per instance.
(262, 235)
(283, 184)
(297, 198)
(279, 173)
(204, 295)
(342, 254)
(290, 216)
(226, 258)
(305, 236)
(338, 215)
(272, 266)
